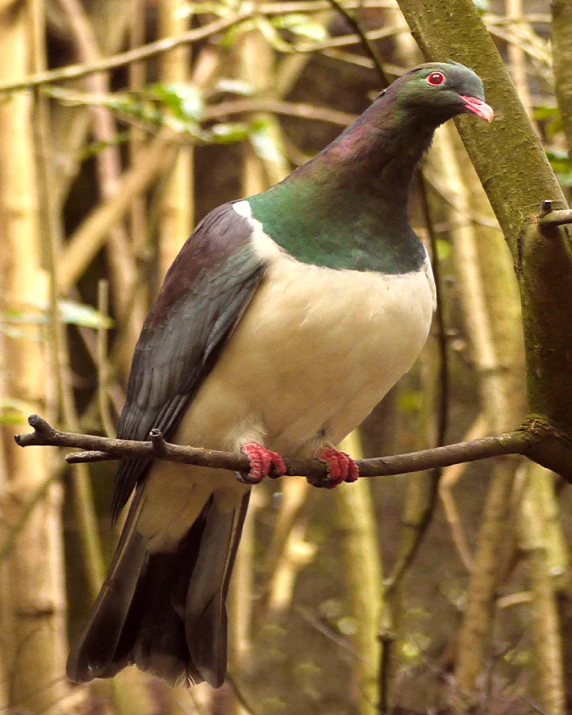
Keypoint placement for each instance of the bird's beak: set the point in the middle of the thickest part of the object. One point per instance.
(478, 107)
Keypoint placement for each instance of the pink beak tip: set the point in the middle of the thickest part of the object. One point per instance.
(480, 108)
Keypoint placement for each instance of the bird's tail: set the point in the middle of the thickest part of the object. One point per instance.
(164, 612)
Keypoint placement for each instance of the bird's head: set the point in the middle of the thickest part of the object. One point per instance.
(441, 90)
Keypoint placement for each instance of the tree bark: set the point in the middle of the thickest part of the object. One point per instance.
(542, 258)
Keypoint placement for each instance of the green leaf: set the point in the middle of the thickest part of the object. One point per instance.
(544, 112)
(443, 249)
(70, 312)
(561, 165)
(14, 411)
(235, 32)
(97, 147)
(183, 99)
(84, 315)
(551, 118)
(229, 132)
(265, 145)
(302, 26)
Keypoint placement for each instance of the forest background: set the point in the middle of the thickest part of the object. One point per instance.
(122, 123)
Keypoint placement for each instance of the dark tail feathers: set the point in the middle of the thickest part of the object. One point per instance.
(164, 612)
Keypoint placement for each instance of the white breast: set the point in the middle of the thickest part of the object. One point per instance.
(315, 352)
(312, 356)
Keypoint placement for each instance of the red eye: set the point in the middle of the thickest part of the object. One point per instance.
(436, 78)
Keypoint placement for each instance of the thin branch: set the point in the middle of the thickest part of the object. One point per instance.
(290, 109)
(124, 58)
(152, 49)
(366, 42)
(518, 442)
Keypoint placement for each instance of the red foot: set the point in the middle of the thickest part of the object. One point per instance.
(263, 463)
(341, 468)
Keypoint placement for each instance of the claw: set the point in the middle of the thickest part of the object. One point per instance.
(263, 463)
(341, 468)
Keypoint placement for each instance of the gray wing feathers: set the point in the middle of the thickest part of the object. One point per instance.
(174, 356)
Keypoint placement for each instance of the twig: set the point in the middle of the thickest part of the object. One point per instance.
(76, 71)
(366, 42)
(290, 109)
(449, 479)
(90, 235)
(518, 442)
(102, 364)
(16, 529)
(124, 58)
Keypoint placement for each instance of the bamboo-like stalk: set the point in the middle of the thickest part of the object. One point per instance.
(91, 235)
(52, 241)
(289, 551)
(500, 400)
(544, 613)
(364, 579)
(35, 642)
(561, 53)
(6, 613)
(177, 205)
(123, 270)
(71, 125)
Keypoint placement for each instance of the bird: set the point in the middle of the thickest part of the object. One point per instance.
(285, 318)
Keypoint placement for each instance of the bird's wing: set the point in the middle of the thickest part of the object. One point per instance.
(205, 293)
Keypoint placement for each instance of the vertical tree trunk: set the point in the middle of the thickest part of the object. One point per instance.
(35, 598)
(498, 357)
(177, 205)
(364, 578)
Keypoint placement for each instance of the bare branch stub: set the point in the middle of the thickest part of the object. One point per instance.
(158, 442)
(519, 442)
(550, 217)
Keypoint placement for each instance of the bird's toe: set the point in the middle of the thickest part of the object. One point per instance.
(263, 463)
(340, 466)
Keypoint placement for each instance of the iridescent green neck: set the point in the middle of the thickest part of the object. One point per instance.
(348, 207)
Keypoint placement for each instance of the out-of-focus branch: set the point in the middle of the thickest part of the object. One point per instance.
(450, 477)
(276, 106)
(120, 258)
(561, 52)
(518, 442)
(366, 42)
(124, 58)
(91, 234)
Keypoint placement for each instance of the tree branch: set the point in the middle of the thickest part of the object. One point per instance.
(102, 448)
(136, 55)
(552, 218)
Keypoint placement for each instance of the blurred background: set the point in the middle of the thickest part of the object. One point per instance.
(394, 595)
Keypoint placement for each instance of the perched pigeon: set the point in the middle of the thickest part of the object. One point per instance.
(284, 320)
